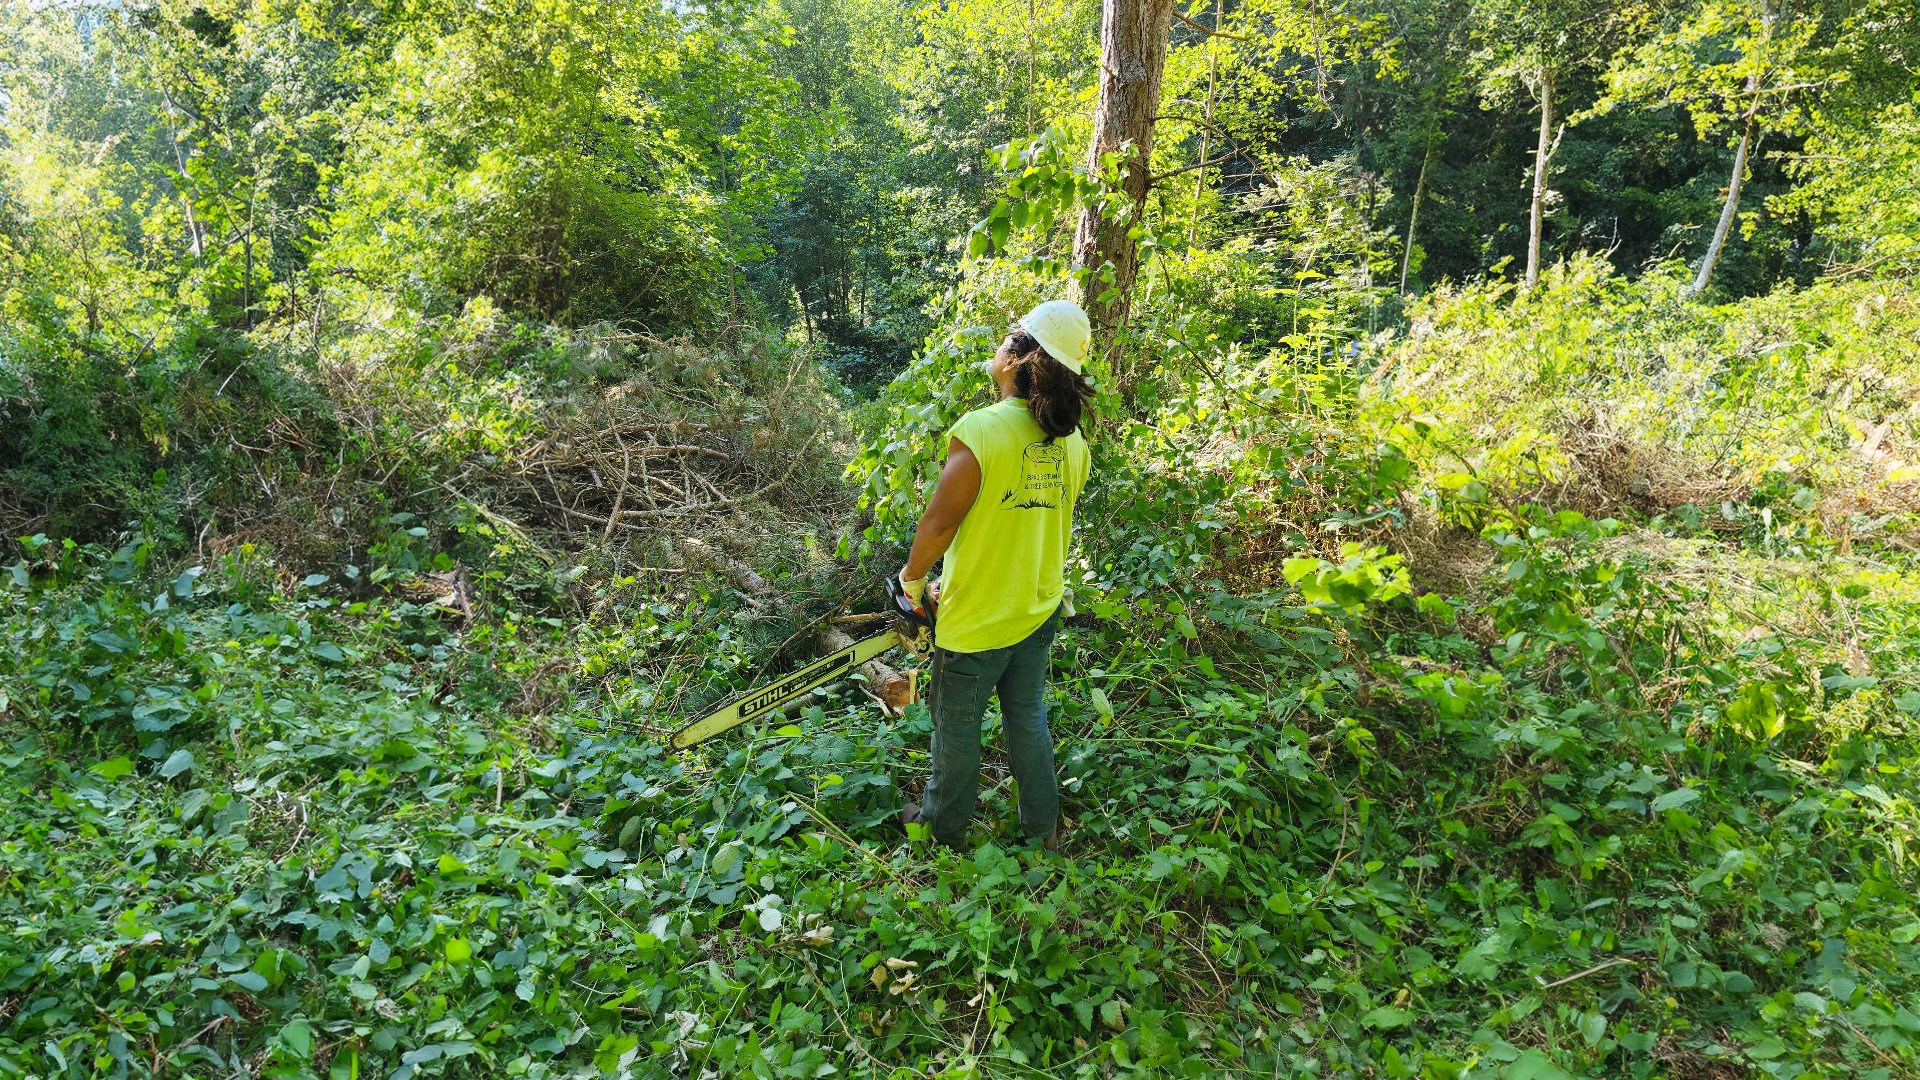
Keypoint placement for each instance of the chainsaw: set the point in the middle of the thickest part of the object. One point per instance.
(908, 627)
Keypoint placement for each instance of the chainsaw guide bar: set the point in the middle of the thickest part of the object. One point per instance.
(762, 700)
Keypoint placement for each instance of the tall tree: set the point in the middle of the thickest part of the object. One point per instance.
(1540, 45)
(1133, 57)
(1740, 68)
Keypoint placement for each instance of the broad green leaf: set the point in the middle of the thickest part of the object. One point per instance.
(297, 1036)
(1386, 1018)
(1593, 1027)
(1534, 1065)
(110, 641)
(1674, 799)
(113, 768)
(177, 762)
(1101, 706)
(727, 861)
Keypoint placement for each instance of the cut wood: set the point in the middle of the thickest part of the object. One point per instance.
(892, 689)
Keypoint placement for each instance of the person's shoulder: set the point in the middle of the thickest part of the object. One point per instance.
(976, 428)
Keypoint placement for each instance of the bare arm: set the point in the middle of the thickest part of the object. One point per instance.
(952, 497)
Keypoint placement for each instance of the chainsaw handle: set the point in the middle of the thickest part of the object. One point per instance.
(906, 609)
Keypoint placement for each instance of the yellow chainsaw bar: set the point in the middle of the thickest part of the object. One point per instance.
(762, 700)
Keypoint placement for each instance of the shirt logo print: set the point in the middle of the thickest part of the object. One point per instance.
(1040, 483)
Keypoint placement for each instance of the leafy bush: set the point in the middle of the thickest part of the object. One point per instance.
(1605, 393)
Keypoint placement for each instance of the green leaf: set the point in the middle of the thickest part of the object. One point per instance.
(1534, 1065)
(249, 980)
(1101, 704)
(1674, 799)
(110, 641)
(1593, 1027)
(727, 861)
(459, 950)
(297, 1036)
(770, 919)
(1435, 605)
(183, 585)
(178, 762)
(312, 581)
(1386, 1018)
(1756, 711)
(328, 651)
(1731, 862)
(113, 768)
(1296, 569)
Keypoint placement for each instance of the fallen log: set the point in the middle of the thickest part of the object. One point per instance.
(892, 689)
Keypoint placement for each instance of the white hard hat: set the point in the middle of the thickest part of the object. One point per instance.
(1062, 329)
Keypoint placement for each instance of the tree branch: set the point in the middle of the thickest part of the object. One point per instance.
(1207, 31)
(1157, 177)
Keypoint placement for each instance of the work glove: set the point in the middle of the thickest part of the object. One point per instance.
(914, 604)
(914, 589)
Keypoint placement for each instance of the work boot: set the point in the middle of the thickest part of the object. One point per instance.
(1053, 840)
(910, 815)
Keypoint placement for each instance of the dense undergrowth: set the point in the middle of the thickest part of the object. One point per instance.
(409, 413)
(1372, 771)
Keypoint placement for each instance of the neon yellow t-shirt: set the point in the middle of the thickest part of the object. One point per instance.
(1002, 576)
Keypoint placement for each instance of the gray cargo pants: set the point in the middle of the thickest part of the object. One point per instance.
(958, 698)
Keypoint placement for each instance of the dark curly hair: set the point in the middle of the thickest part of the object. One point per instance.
(1059, 400)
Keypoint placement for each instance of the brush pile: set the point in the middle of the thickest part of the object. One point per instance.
(680, 440)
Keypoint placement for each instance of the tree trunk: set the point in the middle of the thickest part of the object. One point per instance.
(1133, 56)
(1413, 218)
(1200, 175)
(1727, 211)
(1540, 159)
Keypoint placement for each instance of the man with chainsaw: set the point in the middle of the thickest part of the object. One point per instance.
(1001, 515)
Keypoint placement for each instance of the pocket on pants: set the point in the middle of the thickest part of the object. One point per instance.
(954, 697)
